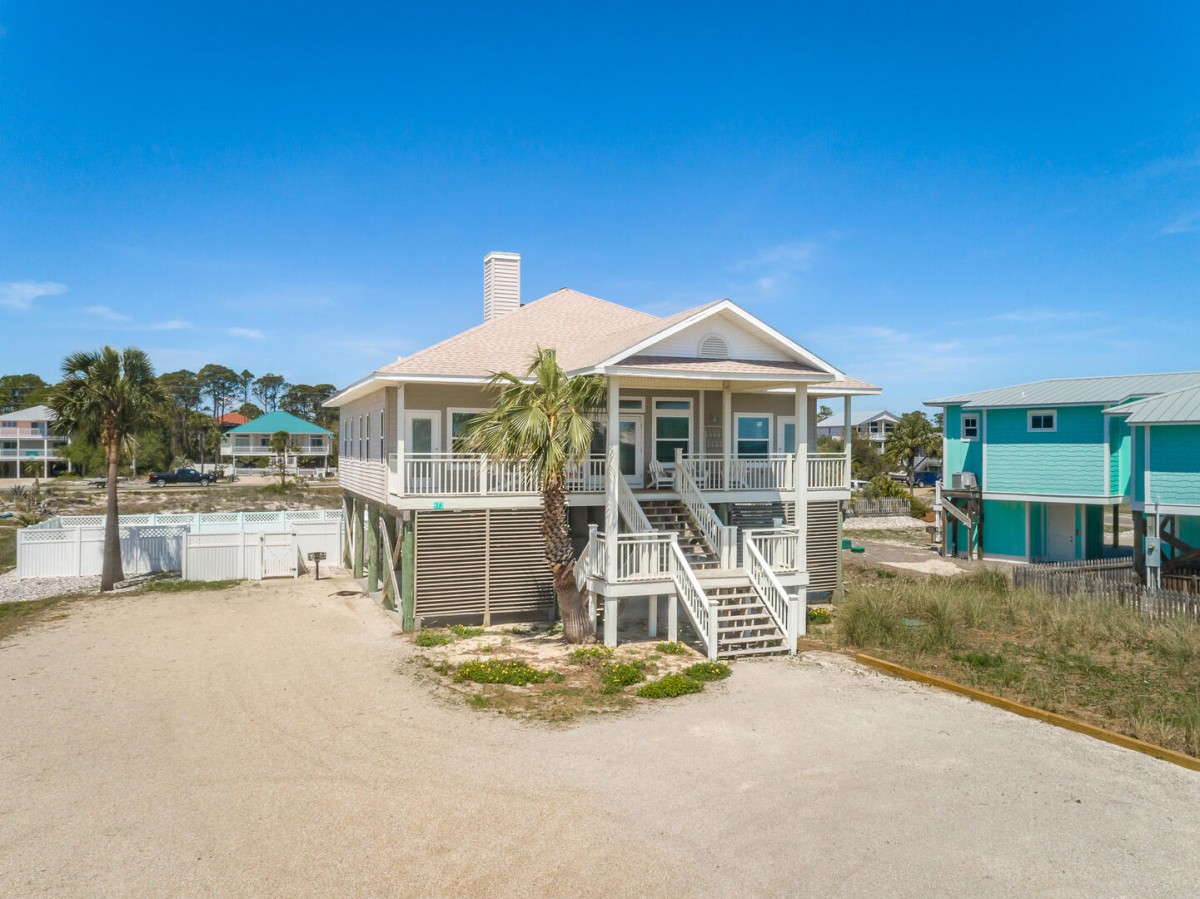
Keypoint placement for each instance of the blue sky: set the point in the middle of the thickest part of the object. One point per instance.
(935, 197)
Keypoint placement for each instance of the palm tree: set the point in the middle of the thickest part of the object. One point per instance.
(545, 420)
(107, 397)
(912, 440)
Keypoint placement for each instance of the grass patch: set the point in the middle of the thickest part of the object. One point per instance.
(433, 638)
(915, 536)
(1090, 659)
(170, 585)
(670, 686)
(513, 672)
(673, 648)
(465, 631)
(586, 655)
(8, 547)
(707, 671)
(616, 676)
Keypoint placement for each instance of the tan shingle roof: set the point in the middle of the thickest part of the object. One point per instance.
(844, 384)
(718, 366)
(584, 330)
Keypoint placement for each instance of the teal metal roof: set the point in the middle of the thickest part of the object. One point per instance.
(1101, 391)
(278, 421)
(1177, 407)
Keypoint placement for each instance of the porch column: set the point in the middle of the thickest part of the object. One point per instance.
(847, 441)
(800, 478)
(703, 426)
(652, 617)
(373, 567)
(611, 483)
(358, 511)
(408, 580)
(727, 431)
(398, 487)
(1116, 537)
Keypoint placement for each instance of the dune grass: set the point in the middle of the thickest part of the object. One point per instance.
(1094, 660)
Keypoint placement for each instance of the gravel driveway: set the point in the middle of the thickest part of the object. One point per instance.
(272, 740)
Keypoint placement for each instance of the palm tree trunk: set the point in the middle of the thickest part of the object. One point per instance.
(112, 572)
(578, 626)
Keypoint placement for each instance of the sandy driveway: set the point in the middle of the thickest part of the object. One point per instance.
(263, 742)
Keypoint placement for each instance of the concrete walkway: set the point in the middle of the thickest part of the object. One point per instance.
(272, 740)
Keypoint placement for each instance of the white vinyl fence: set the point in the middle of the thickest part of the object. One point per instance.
(204, 547)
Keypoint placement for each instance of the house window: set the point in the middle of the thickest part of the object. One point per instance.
(382, 432)
(459, 420)
(672, 429)
(360, 437)
(367, 441)
(637, 404)
(970, 427)
(753, 435)
(1043, 421)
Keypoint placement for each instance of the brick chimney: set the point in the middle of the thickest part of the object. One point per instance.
(501, 284)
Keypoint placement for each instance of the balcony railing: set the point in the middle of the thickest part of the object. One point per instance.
(294, 449)
(36, 433)
(773, 471)
(31, 454)
(476, 474)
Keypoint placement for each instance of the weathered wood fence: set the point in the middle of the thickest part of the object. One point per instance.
(877, 508)
(1109, 580)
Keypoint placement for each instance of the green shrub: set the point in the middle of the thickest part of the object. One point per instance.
(615, 676)
(587, 654)
(918, 508)
(432, 638)
(819, 616)
(670, 686)
(501, 671)
(869, 618)
(464, 632)
(674, 648)
(707, 671)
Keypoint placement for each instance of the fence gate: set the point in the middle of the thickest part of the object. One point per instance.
(278, 555)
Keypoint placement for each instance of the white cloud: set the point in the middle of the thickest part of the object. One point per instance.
(106, 312)
(245, 333)
(172, 325)
(795, 256)
(1185, 224)
(21, 294)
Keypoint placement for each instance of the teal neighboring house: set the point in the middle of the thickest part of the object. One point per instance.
(1165, 462)
(307, 442)
(1034, 471)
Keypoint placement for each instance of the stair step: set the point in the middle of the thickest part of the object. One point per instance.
(777, 640)
(751, 651)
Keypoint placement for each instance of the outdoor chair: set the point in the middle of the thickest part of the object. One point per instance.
(659, 476)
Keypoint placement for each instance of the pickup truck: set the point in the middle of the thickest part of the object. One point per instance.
(181, 476)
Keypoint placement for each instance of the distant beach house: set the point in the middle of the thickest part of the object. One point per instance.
(874, 425)
(308, 444)
(26, 439)
(1164, 442)
(1036, 472)
(709, 435)
(231, 420)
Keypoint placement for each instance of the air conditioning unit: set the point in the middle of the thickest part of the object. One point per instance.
(964, 480)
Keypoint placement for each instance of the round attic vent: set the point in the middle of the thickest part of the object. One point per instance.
(714, 347)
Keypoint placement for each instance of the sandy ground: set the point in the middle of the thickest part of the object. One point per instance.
(271, 740)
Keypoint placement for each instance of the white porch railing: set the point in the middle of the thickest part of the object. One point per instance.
(644, 556)
(23, 454)
(699, 608)
(777, 546)
(630, 509)
(293, 449)
(785, 610)
(721, 537)
(828, 471)
(774, 471)
(477, 474)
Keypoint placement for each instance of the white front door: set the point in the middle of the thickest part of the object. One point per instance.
(422, 432)
(630, 450)
(1060, 532)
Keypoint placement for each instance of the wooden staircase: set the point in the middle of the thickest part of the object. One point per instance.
(744, 626)
(673, 515)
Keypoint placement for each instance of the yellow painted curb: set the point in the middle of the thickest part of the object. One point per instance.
(1100, 733)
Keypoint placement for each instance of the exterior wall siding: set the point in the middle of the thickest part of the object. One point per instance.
(362, 462)
(1069, 461)
(1094, 531)
(1119, 445)
(742, 343)
(961, 455)
(1175, 464)
(1004, 528)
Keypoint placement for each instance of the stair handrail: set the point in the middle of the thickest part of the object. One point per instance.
(590, 559)
(700, 609)
(722, 537)
(785, 610)
(630, 509)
